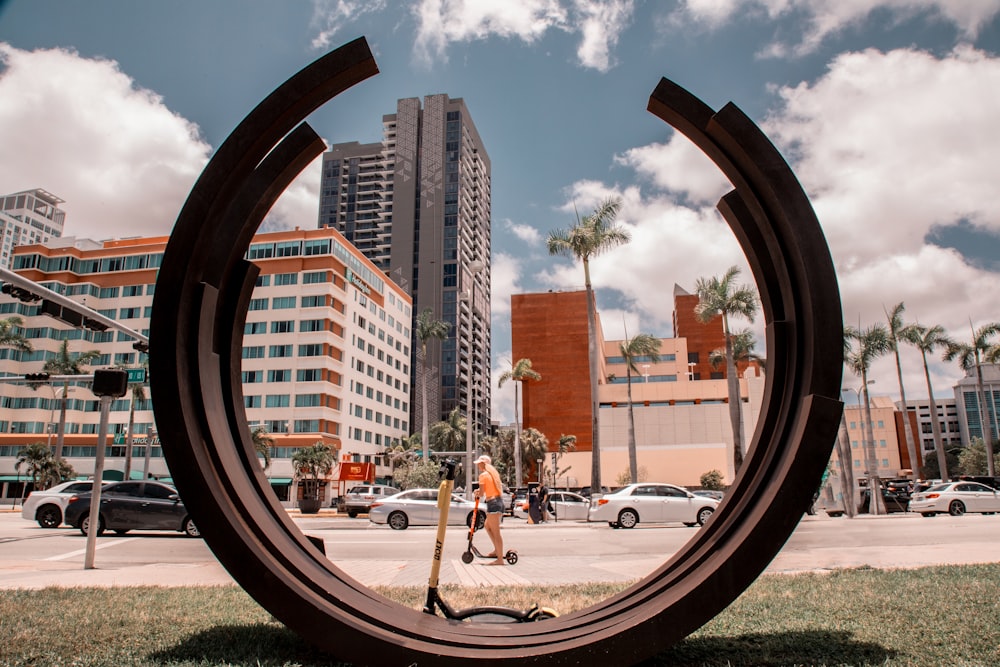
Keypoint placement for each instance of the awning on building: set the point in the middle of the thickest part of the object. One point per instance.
(280, 481)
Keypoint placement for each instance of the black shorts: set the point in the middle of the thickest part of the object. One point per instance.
(494, 506)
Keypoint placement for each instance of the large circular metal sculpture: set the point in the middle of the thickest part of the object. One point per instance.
(202, 294)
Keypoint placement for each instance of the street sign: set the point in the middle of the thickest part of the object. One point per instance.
(136, 375)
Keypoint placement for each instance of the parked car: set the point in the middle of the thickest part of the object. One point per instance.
(651, 503)
(133, 505)
(47, 507)
(418, 507)
(902, 487)
(359, 499)
(894, 501)
(956, 498)
(993, 482)
(563, 506)
(518, 497)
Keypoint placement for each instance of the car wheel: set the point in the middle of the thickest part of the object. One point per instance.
(352, 513)
(480, 520)
(398, 521)
(956, 508)
(704, 514)
(48, 516)
(928, 514)
(190, 529)
(85, 525)
(628, 518)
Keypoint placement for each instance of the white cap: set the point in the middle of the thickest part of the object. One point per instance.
(483, 459)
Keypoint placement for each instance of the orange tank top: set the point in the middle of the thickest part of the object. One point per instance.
(489, 482)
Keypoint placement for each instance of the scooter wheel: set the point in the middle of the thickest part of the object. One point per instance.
(467, 557)
(510, 557)
(543, 614)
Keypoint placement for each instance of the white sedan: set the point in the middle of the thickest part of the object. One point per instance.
(651, 503)
(566, 505)
(956, 498)
(48, 507)
(418, 507)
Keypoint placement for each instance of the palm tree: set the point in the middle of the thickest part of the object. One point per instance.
(898, 332)
(926, 339)
(11, 336)
(449, 435)
(67, 363)
(641, 345)
(864, 346)
(426, 328)
(589, 237)
(313, 463)
(566, 443)
(968, 356)
(722, 297)
(519, 372)
(37, 459)
(534, 447)
(262, 444)
(847, 484)
(743, 345)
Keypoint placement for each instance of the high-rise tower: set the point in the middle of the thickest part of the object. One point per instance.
(418, 206)
(28, 217)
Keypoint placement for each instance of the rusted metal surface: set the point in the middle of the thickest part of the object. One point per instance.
(199, 309)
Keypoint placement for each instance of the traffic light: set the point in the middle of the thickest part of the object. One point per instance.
(69, 316)
(110, 382)
(36, 377)
(19, 293)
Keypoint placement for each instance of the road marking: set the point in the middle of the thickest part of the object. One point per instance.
(80, 552)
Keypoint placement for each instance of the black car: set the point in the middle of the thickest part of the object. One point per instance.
(893, 501)
(133, 505)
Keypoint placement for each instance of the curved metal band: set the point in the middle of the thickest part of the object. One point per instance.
(202, 294)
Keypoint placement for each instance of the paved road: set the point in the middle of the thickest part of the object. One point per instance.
(550, 554)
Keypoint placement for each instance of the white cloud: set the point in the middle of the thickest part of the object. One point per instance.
(442, 22)
(888, 146)
(505, 274)
(825, 18)
(600, 24)
(526, 233)
(678, 166)
(121, 160)
(331, 16)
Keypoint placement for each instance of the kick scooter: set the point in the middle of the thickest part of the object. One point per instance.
(472, 551)
(475, 614)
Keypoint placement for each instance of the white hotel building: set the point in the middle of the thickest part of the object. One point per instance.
(326, 353)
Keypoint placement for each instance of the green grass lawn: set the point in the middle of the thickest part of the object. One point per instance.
(930, 616)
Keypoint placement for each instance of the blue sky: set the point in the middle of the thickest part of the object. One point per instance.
(886, 110)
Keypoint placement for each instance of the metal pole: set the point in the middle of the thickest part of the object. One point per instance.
(95, 495)
(468, 393)
(150, 436)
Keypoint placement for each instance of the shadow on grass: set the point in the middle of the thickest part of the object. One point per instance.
(817, 647)
(275, 646)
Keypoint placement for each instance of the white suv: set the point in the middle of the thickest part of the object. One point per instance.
(359, 499)
(47, 507)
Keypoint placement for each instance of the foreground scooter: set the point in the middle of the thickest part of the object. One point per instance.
(472, 552)
(474, 614)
